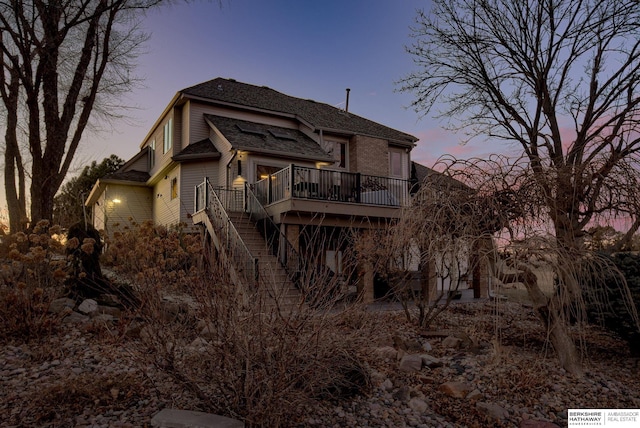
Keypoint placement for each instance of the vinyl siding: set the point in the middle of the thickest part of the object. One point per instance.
(134, 205)
(192, 174)
(99, 213)
(166, 211)
(140, 164)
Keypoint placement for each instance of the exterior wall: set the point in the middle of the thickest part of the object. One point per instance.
(177, 131)
(120, 203)
(192, 174)
(161, 159)
(99, 213)
(166, 210)
(224, 176)
(140, 165)
(185, 126)
(368, 155)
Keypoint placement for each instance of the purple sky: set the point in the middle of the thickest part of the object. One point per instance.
(307, 49)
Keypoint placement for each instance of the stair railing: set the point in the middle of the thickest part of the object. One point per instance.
(312, 278)
(238, 253)
(277, 242)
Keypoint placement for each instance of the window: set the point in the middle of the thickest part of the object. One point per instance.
(152, 154)
(174, 188)
(264, 171)
(338, 151)
(395, 163)
(168, 136)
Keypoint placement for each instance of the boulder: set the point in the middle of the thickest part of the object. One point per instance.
(174, 418)
(88, 306)
(411, 363)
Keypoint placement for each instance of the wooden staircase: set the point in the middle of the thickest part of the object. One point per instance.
(272, 277)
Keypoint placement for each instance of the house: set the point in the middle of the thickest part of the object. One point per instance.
(235, 159)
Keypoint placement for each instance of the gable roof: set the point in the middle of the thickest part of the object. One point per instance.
(268, 139)
(422, 174)
(201, 150)
(319, 115)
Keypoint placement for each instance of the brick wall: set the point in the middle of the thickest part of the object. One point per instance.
(368, 155)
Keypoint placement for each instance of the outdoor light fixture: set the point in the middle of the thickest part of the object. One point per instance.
(116, 201)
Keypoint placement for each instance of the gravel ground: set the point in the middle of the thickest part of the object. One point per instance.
(498, 373)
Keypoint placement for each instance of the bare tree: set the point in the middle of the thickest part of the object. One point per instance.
(61, 61)
(559, 78)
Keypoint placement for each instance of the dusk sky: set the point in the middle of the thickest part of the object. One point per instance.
(307, 49)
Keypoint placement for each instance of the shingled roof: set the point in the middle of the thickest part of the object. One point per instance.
(319, 115)
(261, 138)
(131, 175)
(201, 150)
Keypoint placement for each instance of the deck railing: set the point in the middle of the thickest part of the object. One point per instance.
(277, 242)
(218, 202)
(321, 184)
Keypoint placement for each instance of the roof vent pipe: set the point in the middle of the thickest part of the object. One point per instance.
(346, 106)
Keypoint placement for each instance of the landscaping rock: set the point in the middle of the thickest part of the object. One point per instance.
(403, 394)
(88, 306)
(387, 352)
(451, 342)
(456, 389)
(174, 418)
(411, 363)
(59, 305)
(418, 405)
(387, 385)
(492, 410)
(75, 318)
(108, 310)
(430, 361)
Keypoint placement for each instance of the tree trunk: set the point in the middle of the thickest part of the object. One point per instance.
(550, 313)
(13, 167)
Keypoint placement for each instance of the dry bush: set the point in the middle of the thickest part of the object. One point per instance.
(252, 356)
(154, 253)
(33, 270)
(57, 404)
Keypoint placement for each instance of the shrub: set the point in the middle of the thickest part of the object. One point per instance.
(607, 301)
(32, 273)
(151, 253)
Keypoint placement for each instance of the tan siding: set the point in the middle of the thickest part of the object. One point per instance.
(166, 210)
(135, 204)
(159, 157)
(177, 131)
(186, 125)
(140, 165)
(197, 125)
(98, 213)
(192, 174)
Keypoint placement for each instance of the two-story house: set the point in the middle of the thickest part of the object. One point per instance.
(234, 157)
